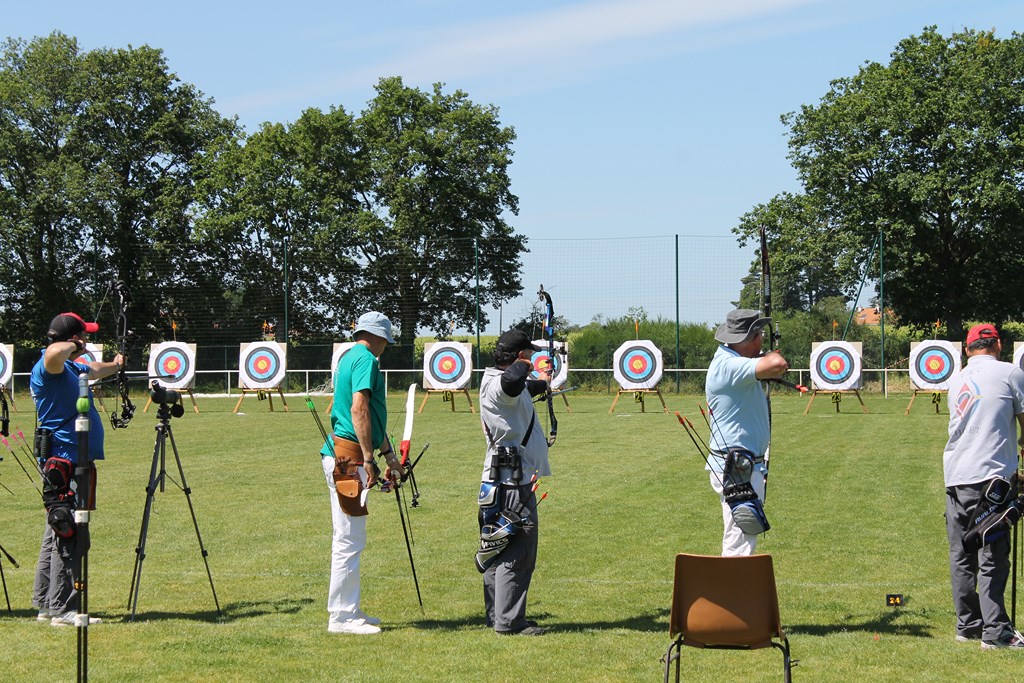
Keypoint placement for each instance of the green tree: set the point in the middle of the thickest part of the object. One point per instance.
(42, 180)
(97, 154)
(434, 207)
(929, 150)
(287, 196)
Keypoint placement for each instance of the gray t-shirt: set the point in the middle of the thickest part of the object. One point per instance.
(506, 418)
(984, 400)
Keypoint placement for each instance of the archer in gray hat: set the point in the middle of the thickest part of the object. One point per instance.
(741, 427)
(739, 325)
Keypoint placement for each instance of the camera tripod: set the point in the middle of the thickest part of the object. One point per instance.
(4, 553)
(158, 476)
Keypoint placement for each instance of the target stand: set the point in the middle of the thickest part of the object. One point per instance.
(192, 396)
(261, 394)
(262, 368)
(638, 396)
(935, 399)
(836, 398)
(933, 364)
(10, 395)
(449, 395)
(447, 369)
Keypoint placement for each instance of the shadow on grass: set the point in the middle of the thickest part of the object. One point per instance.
(888, 623)
(655, 622)
(235, 611)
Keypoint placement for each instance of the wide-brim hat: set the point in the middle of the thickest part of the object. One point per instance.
(377, 324)
(739, 325)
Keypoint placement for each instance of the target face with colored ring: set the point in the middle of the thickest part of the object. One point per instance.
(836, 365)
(637, 365)
(447, 365)
(6, 364)
(933, 363)
(174, 364)
(541, 359)
(261, 365)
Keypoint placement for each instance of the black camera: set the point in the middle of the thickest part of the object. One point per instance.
(166, 397)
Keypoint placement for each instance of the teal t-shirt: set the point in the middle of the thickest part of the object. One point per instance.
(358, 370)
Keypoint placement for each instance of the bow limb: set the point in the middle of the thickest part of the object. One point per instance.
(120, 420)
(549, 333)
(774, 337)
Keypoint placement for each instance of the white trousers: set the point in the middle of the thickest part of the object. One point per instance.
(734, 541)
(347, 543)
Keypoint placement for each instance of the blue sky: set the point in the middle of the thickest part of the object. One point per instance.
(634, 117)
(649, 117)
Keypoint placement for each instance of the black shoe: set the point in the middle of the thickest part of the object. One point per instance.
(528, 630)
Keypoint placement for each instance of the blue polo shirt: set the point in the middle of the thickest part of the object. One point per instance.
(739, 407)
(55, 397)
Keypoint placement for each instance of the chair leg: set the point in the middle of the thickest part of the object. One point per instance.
(787, 663)
(669, 658)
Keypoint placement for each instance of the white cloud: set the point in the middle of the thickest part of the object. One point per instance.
(562, 44)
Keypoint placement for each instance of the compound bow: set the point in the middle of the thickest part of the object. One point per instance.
(122, 298)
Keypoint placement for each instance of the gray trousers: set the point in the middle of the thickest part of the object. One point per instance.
(54, 591)
(978, 579)
(508, 580)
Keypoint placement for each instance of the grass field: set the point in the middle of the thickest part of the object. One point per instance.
(855, 502)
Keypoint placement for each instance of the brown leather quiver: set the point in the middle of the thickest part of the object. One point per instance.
(348, 458)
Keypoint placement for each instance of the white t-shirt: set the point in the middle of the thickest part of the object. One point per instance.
(984, 400)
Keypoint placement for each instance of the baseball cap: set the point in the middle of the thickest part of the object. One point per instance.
(377, 324)
(983, 331)
(514, 341)
(67, 325)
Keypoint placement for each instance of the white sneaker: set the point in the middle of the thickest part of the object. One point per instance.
(372, 621)
(43, 615)
(69, 620)
(355, 626)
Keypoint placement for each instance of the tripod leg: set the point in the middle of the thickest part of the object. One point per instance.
(188, 497)
(3, 579)
(1013, 580)
(140, 549)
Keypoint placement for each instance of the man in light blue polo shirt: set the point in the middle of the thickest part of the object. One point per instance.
(739, 410)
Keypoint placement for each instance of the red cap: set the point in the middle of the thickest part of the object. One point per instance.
(67, 325)
(983, 331)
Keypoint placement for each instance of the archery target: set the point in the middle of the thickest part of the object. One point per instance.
(541, 359)
(261, 365)
(447, 365)
(637, 365)
(1018, 354)
(340, 349)
(6, 364)
(174, 364)
(836, 365)
(933, 363)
